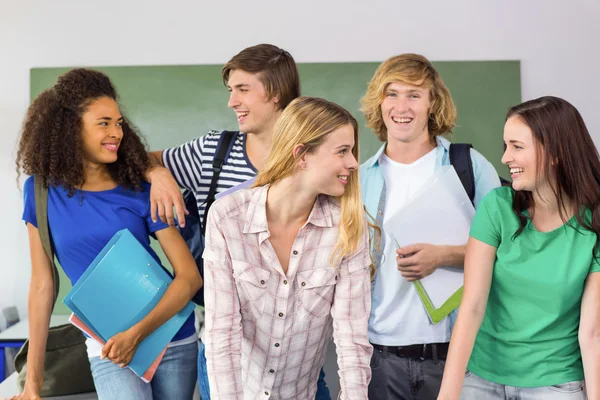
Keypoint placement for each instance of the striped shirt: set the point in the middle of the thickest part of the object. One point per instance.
(191, 166)
(266, 330)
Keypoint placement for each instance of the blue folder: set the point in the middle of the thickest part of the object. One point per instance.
(119, 288)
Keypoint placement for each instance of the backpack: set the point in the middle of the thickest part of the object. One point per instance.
(460, 159)
(194, 230)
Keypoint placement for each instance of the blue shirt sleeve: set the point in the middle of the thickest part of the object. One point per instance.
(152, 226)
(484, 227)
(29, 202)
(155, 226)
(486, 177)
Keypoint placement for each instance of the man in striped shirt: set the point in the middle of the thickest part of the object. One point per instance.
(262, 80)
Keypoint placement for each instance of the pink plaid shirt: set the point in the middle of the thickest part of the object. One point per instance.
(266, 332)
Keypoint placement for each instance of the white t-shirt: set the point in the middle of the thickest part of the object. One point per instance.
(400, 318)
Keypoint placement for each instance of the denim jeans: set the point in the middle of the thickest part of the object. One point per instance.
(175, 377)
(322, 389)
(476, 388)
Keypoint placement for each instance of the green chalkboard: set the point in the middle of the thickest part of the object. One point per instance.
(174, 104)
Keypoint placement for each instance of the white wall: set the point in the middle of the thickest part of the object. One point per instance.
(557, 42)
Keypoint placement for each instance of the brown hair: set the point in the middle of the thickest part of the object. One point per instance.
(416, 70)
(275, 67)
(567, 156)
(51, 144)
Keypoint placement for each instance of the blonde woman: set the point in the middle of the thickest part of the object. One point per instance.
(285, 259)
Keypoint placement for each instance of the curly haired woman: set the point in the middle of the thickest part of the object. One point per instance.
(92, 160)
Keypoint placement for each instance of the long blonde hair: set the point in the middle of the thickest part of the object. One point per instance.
(308, 121)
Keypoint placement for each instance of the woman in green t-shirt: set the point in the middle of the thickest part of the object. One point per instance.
(528, 327)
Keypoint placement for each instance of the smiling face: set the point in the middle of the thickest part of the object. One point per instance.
(255, 111)
(327, 169)
(521, 156)
(405, 111)
(102, 131)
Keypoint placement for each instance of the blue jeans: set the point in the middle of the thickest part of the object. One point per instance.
(175, 377)
(475, 388)
(322, 389)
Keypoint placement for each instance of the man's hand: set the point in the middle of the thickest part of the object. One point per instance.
(419, 260)
(164, 195)
(120, 348)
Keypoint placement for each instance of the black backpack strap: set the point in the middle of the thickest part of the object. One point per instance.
(221, 153)
(41, 214)
(460, 158)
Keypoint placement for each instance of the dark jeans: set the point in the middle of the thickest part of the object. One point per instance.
(402, 378)
(322, 389)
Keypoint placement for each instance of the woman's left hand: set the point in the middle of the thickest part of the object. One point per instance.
(121, 347)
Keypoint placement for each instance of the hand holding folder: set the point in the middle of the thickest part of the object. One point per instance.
(147, 376)
(119, 288)
(440, 213)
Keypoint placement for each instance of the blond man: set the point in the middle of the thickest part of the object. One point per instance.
(409, 108)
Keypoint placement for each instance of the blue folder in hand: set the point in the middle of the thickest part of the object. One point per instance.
(119, 288)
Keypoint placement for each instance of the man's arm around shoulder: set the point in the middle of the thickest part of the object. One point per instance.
(164, 192)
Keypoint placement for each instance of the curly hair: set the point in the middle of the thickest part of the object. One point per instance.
(412, 69)
(51, 144)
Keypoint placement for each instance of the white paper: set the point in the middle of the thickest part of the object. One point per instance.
(439, 213)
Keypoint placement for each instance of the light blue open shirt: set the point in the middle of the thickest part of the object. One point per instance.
(373, 189)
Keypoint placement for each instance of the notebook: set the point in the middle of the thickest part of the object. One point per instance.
(119, 288)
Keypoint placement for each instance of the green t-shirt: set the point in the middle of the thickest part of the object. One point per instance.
(528, 337)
